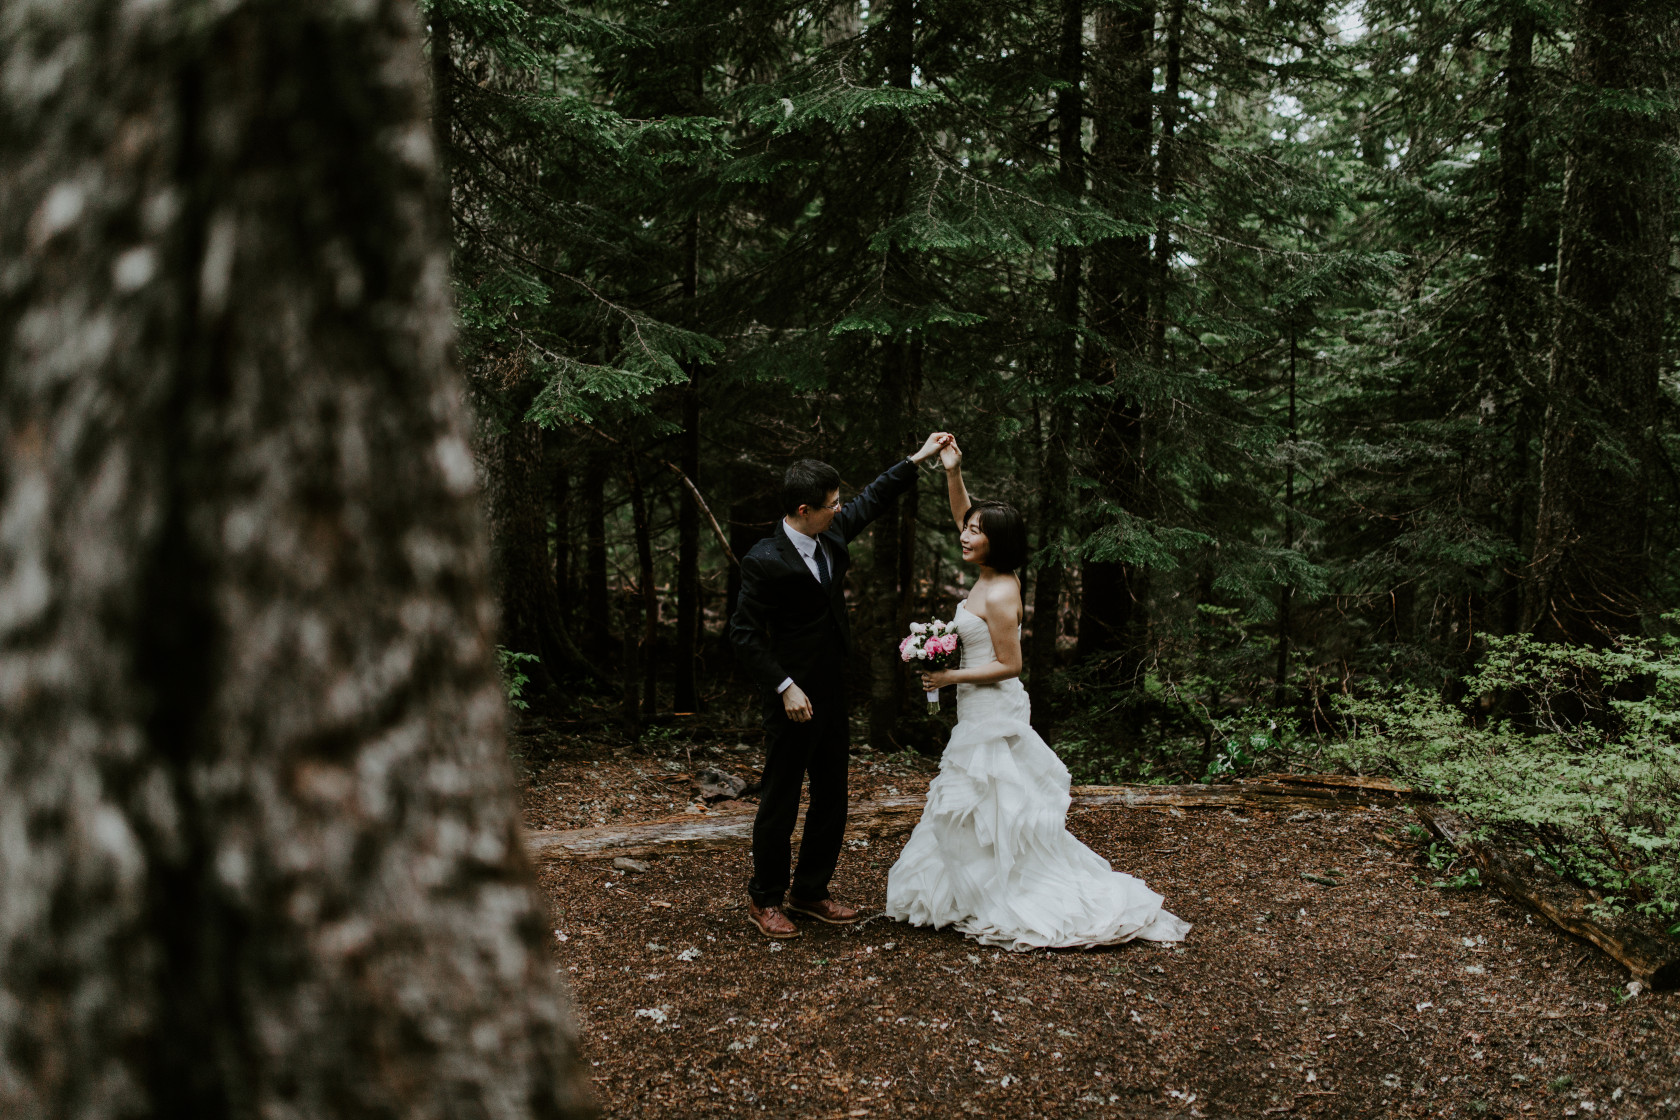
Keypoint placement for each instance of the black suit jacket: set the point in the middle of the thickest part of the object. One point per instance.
(786, 624)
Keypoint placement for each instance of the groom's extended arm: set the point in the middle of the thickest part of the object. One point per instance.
(749, 627)
(880, 494)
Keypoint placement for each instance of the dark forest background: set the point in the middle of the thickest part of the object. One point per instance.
(1320, 343)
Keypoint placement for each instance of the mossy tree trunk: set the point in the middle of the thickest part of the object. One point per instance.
(1113, 590)
(1056, 470)
(263, 855)
(1591, 563)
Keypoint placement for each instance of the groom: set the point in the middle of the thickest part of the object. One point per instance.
(791, 630)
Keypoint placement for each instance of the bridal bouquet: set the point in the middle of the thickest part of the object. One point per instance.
(931, 646)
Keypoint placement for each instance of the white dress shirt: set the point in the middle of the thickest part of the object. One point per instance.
(807, 549)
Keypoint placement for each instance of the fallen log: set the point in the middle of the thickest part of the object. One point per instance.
(1653, 959)
(899, 814)
(1360, 783)
(731, 829)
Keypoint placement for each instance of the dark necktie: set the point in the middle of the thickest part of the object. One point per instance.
(822, 564)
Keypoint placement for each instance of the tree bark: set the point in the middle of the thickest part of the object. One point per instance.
(1166, 178)
(1286, 597)
(886, 673)
(1055, 473)
(1113, 590)
(686, 693)
(1513, 301)
(517, 495)
(646, 659)
(560, 475)
(900, 357)
(263, 854)
(1590, 557)
(908, 512)
(597, 603)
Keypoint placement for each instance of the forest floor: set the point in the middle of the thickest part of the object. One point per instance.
(1381, 996)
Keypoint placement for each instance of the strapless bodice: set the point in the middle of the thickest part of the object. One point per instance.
(1007, 698)
(976, 637)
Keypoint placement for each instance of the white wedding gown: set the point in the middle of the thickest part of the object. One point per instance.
(992, 855)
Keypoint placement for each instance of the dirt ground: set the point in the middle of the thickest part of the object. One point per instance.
(1379, 996)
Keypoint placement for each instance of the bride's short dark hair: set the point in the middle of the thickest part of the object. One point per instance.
(1006, 534)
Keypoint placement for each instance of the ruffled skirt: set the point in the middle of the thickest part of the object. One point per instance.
(992, 855)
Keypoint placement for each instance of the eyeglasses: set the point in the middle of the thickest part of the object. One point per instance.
(834, 505)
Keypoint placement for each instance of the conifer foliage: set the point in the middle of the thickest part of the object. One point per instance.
(1318, 341)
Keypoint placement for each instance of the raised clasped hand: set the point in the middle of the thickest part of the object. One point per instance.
(950, 455)
(934, 445)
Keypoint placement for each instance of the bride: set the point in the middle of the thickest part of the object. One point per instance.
(992, 855)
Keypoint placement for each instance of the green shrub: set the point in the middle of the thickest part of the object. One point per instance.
(1572, 752)
(514, 679)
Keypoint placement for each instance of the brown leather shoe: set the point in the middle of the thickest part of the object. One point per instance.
(771, 922)
(828, 910)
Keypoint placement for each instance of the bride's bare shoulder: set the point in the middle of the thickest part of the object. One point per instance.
(1003, 598)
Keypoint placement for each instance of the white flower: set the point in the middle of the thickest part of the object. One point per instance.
(918, 628)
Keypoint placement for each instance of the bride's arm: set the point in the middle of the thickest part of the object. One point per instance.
(950, 457)
(1003, 619)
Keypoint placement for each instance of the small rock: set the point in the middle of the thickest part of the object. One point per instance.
(625, 863)
(1634, 988)
(717, 785)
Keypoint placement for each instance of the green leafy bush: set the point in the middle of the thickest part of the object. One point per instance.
(1572, 752)
(514, 679)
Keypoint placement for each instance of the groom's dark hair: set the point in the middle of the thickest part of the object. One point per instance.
(1006, 534)
(808, 482)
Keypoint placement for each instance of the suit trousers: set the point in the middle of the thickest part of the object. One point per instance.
(794, 751)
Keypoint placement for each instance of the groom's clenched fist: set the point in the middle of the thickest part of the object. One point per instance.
(796, 704)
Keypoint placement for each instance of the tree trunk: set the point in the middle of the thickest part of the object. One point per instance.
(263, 852)
(647, 642)
(1055, 473)
(899, 356)
(1513, 301)
(1113, 589)
(560, 476)
(908, 512)
(1166, 181)
(1590, 560)
(597, 603)
(886, 673)
(686, 693)
(1286, 597)
(517, 499)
